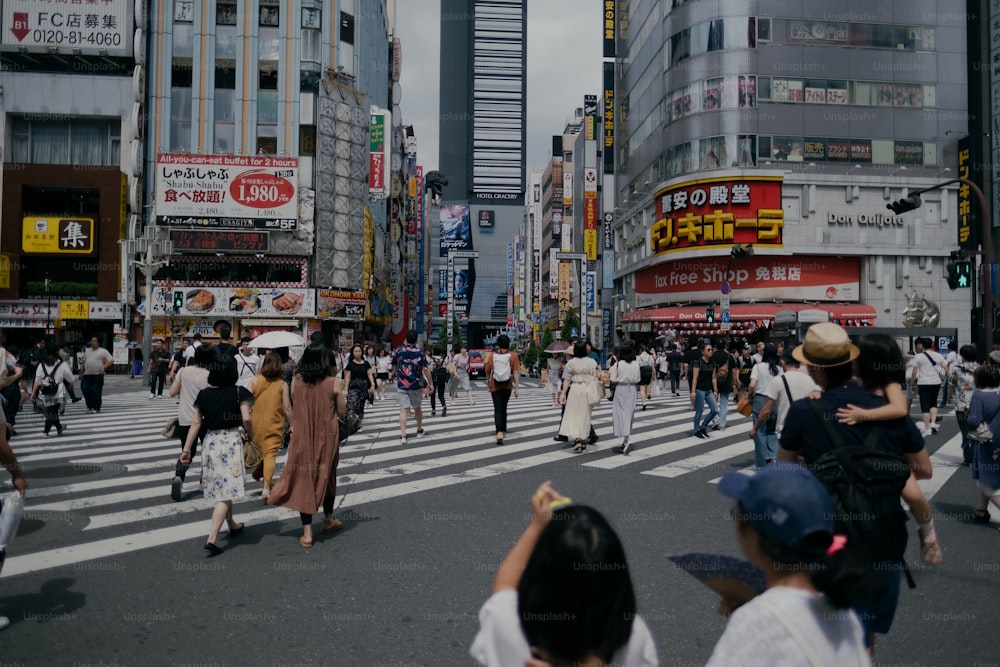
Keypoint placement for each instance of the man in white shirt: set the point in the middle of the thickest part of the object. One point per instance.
(784, 390)
(929, 369)
(95, 361)
(189, 351)
(247, 361)
(759, 355)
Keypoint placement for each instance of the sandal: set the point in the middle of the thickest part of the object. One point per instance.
(304, 542)
(580, 447)
(981, 516)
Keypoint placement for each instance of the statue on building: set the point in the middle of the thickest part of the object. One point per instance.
(920, 311)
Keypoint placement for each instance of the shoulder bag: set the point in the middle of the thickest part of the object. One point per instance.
(170, 430)
(594, 391)
(744, 405)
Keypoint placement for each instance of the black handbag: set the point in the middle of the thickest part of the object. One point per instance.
(349, 424)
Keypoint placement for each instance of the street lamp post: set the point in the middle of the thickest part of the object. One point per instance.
(150, 249)
(913, 202)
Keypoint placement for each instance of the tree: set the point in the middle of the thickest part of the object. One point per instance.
(443, 335)
(531, 355)
(547, 338)
(570, 322)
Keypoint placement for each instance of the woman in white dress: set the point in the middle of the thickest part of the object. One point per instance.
(625, 376)
(554, 385)
(461, 374)
(578, 371)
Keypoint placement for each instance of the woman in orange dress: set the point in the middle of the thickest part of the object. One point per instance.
(271, 407)
(309, 478)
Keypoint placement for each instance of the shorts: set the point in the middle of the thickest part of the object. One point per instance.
(382, 376)
(877, 610)
(410, 398)
(928, 394)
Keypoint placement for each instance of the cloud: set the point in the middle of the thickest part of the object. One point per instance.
(564, 64)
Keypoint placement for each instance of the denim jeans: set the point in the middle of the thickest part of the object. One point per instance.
(702, 396)
(764, 446)
(723, 408)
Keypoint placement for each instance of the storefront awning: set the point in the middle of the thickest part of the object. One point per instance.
(751, 311)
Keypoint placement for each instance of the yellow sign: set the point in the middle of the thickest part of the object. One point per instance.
(58, 235)
(4, 271)
(74, 310)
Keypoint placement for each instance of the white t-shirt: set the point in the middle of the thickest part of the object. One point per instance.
(758, 633)
(193, 379)
(625, 372)
(762, 374)
(501, 642)
(93, 360)
(644, 358)
(60, 372)
(799, 383)
(927, 371)
(383, 363)
(248, 368)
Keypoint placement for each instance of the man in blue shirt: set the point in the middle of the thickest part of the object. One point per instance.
(829, 353)
(411, 367)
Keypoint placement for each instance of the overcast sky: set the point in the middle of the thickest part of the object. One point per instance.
(564, 64)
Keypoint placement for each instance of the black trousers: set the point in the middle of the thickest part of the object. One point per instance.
(439, 389)
(500, 399)
(327, 510)
(180, 470)
(52, 417)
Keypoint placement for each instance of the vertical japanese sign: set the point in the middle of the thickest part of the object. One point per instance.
(590, 228)
(376, 160)
(591, 290)
(609, 28)
(421, 272)
(553, 273)
(609, 118)
(565, 289)
(968, 214)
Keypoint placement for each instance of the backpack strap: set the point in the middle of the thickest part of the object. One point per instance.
(871, 440)
(788, 391)
(814, 660)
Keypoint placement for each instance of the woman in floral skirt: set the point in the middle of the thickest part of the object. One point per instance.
(219, 412)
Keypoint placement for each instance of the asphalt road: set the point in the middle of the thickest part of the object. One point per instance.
(108, 570)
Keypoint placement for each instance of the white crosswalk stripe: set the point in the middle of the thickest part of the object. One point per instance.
(113, 470)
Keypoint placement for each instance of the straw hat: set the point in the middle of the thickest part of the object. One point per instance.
(826, 345)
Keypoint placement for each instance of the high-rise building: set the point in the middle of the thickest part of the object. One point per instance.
(788, 128)
(267, 117)
(482, 152)
(71, 114)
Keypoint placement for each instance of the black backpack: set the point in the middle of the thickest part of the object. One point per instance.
(49, 385)
(865, 484)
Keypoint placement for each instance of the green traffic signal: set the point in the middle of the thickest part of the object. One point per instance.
(959, 274)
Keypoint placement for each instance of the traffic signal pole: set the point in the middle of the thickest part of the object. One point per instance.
(912, 202)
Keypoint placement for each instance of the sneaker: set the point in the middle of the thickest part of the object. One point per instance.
(700, 434)
(402, 440)
(175, 488)
(332, 525)
(152, 395)
(46, 434)
(704, 433)
(935, 428)
(626, 447)
(60, 429)
(77, 399)
(716, 427)
(444, 412)
(434, 413)
(159, 395)
(499, 437)
(420, 433)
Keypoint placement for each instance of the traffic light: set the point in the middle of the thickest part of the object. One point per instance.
(709, 314)
(178, 300)
(959, 274)
(905, 204)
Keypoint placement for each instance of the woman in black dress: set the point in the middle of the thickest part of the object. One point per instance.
(359, 378)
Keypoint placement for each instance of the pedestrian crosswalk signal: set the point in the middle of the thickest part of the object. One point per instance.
(959, 274)
(178, 300)
(709, 314)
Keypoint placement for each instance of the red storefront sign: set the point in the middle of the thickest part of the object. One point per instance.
(719, 211)
(793, 278)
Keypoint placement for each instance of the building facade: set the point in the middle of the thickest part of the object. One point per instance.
(482, 154)
(751, 123)
(259, 152)
(70, 115)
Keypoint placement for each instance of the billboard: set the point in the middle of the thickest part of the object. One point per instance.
(799, 278)
(487, 220)
(84, 27)
(378, 162)
(238, 301)
(196, 240)
(455, 229)
(590, 228)
(609, 118)
(968, 210)
(252, 191)
(609, 28)
(713, 212)
(57, 235)
(340, 303)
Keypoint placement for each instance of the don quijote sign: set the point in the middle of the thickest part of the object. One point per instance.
(227, 191)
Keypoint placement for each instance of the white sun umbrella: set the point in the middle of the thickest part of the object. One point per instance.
(272, 340)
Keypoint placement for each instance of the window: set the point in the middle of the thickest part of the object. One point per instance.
(80, 141)
(346, 28)
(225, 14)
(225, 75)
(180, 73)
(226, 42)
(269, 16)
(312, 43)
(183, 11)
(307, 140)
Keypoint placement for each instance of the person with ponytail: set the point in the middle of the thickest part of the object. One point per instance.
(784, 521)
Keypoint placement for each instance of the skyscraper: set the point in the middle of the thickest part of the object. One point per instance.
(482, 153)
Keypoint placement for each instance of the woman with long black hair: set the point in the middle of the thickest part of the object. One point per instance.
(784, 522)
(359, 380)
(563, 595)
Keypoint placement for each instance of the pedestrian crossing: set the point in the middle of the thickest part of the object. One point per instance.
(109, 474)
